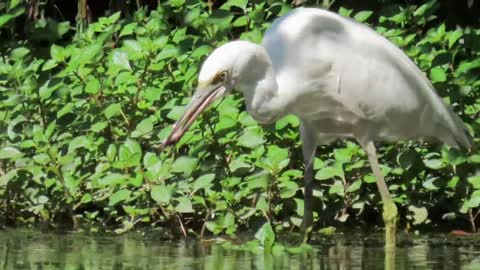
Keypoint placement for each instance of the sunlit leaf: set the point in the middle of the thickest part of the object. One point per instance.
(437, 74)
(184, 205)
(161, 193)
(10, 152)
(362, 16)
(420, 214)
(119, 196)
(265, 235)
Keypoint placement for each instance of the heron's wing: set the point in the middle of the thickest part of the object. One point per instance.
(335, 65)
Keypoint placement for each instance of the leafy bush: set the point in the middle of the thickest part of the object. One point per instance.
(82, 125)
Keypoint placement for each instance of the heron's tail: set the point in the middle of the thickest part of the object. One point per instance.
(458, 132)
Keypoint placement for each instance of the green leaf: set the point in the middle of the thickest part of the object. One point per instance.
(328, 172)
(112, 110)
(235, 3)
(251, 138)
(288, 189)
(184, 165)
(99, 126)
(128, 29)
(184, 205)
(65, 110)
(19, 53)
(420, 11)
(112, 179)
(144, 127)
(472, 202)
(407, 159)
(58, 53)
(265, 235)
(4, 19)
(49, 65)
(221, 18)
(337, 188)
(86, 198)
(241, 21)
(120, 59)
(428, 184)
(161, 193)
(466, 66)
(177, 3)
(92, 86)
(369, 178)
(475, 181)
(133, 49)
(452, 184)
(343, 155)
(362, 16)
(327, 230)
(291, 120)
(420, 214)
(437, 74)
(345, 12)
(453, 37)
(4, 179)
(14, 3)
(41, 158)
(48, 88)
(85, 55)
(355, 186)
(474, 158)
(277, 159)
(119, 196)
(133, 146)
(203, 181)
(434, 163)
(10, 152)
(176, 112)
(168, 52)
(303, 248)
(78, 142)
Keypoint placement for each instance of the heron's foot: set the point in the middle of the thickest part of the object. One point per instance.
(390, 216)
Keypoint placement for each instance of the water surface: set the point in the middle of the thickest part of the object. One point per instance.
(20, 249)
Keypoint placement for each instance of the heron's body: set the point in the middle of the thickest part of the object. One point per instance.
(341, 78)
(343, 94)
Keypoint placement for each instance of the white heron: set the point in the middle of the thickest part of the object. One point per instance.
(341, 79)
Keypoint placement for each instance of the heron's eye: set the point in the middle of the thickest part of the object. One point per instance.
(220, 77)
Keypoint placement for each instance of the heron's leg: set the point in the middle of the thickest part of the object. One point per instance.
(309, 147)
(389, 207)
(308, 193)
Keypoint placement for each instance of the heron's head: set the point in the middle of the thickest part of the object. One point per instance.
(227, 67)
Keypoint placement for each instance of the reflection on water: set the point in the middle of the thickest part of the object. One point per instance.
(33, 250)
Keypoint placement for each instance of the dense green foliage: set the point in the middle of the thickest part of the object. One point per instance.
(82, 120)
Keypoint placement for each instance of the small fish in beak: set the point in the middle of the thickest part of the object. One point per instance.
(200, 101)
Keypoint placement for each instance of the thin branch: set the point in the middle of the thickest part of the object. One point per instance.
(205, 223)
(181, 226)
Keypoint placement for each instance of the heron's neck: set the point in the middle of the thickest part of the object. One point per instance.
(260, 90)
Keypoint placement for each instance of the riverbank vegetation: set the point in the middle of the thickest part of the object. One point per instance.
(89, 92)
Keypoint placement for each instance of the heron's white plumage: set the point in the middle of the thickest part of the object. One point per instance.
(341, 78)
(344, 73)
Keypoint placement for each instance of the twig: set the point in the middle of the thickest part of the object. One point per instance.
(181, 226)
(204, 223)
(140, 81)
(472, 220)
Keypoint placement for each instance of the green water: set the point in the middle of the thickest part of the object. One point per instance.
(34, 250)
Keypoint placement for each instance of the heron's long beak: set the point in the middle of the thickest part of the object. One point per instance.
(202, 98)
